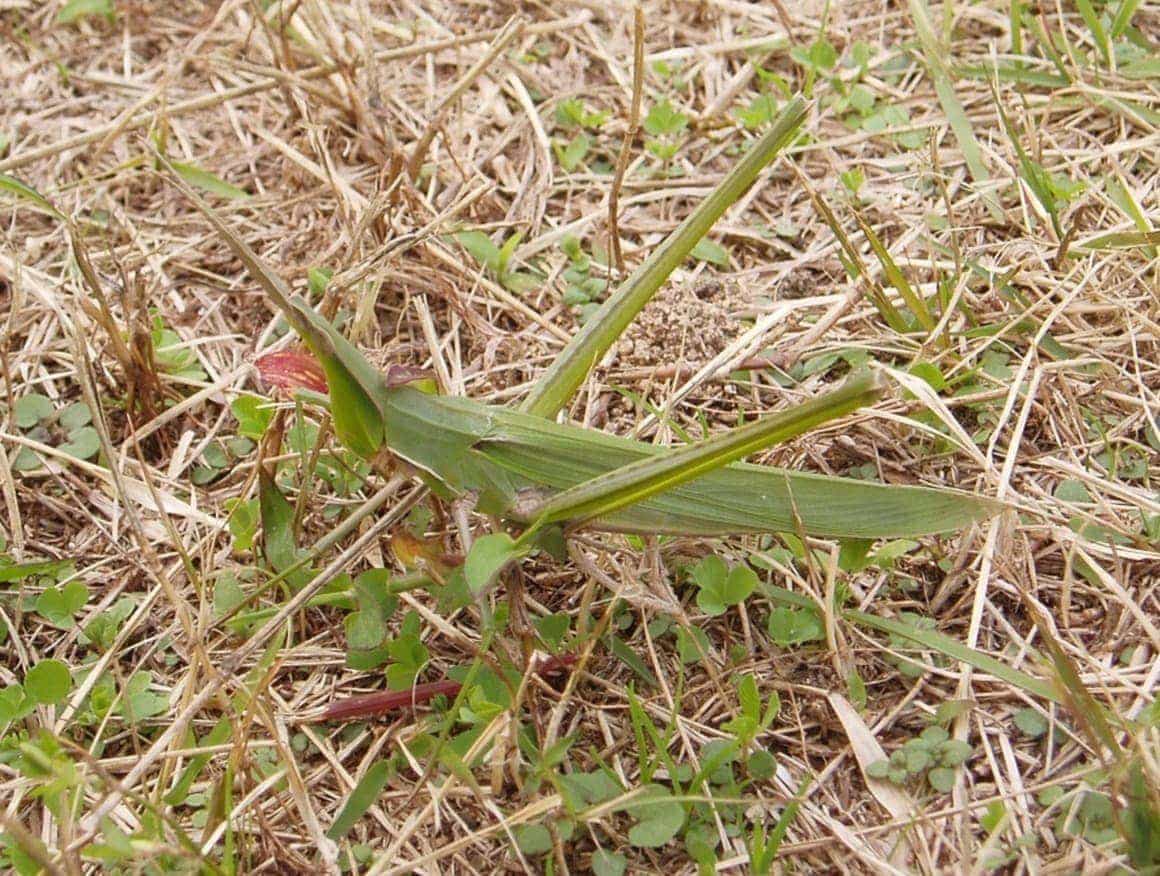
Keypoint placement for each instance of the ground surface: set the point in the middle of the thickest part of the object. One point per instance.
(299, 120)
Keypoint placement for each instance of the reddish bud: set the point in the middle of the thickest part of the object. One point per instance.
(292, 370)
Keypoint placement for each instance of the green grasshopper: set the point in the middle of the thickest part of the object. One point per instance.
(529, 470)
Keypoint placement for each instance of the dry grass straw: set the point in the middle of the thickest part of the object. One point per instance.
(317, 126)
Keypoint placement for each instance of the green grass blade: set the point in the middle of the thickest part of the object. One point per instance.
(1099, 35)
(1122, 240)
(933, 640)
(1124, 13)
(362, 798)
(211, 183)
(951, 105)
(886, 309)
(1033, 173)
(561, 380)
(640, 480)
(896, 278)
(956, 650)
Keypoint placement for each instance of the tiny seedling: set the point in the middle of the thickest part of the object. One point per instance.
(46, 683)
(497, 259)
(665, 125)
(719, 587)
(68, 429)
(932, 753)
(578, 125)
(584, 291)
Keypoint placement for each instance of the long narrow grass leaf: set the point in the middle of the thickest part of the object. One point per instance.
(23, 190)
(956, 115)
(362, 797)
(895, 277)
(1121, 240)
(1092, 19)
(571, 367)
(209, 182)
(956, 650)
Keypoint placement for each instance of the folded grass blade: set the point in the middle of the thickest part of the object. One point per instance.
(952, 106)
(567, 372)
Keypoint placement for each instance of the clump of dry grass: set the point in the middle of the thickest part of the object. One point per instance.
(314, 111)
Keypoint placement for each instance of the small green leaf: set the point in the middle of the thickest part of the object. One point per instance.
(749, 697)
(533, 839)
(207, 181)
(955, 752)
(632, 660)
(84, 443)
(14, 704)
(553, 628)
(243, 522)
(917, 760)
(941, 779)
(1072, 490)
(761, 765)
(75, 416)
(573, 153)
(856, 689)
(879, 769)
(75, 10)
(889, 553)
(1030, 722)
(572, 113)
(710, 572)
(361, 798)
(708, 251)
(993, 816)
(742, 581)
(934, 735)
(822, 54)
(794, 626)
(102, 628)
(364, 630)
(57, 605)
(663, 119)
(317, 280)
(853, 553)
(762, 110)
(47, 682)
(606, 863)
(26, 460)
(253, 414)
(660, 816)
(481, 248)
(487, 558)
(227, 594)
(31, 409)
(139, 701)
(949, 710)
(56, 569)
(930, 373)
(277, 514)
(852, 179)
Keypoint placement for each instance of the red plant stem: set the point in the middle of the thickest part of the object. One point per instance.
(370, 705)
